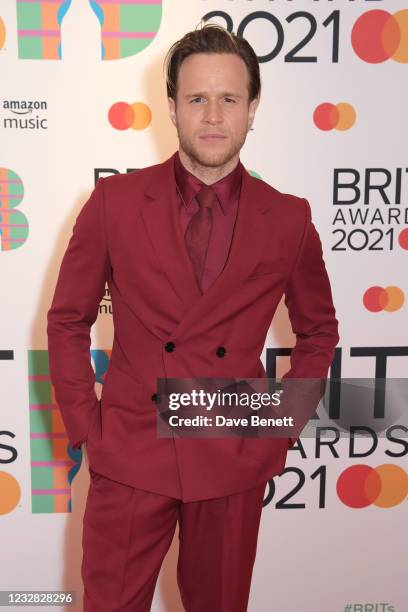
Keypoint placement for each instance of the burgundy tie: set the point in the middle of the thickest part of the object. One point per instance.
(197, 235)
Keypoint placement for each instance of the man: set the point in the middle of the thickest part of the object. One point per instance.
(197, 254)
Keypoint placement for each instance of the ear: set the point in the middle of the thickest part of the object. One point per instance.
(253, 105)
(172, 111)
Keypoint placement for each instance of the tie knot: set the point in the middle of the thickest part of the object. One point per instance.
(206, 197)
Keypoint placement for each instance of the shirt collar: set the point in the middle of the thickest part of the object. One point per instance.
(226, 189)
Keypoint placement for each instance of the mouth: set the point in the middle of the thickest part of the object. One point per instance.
(213, 137)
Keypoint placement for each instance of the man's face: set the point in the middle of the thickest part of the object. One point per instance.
(211, 110)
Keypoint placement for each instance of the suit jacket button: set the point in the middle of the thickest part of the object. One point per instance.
(169, 346)
(156, 398)
(221, 351)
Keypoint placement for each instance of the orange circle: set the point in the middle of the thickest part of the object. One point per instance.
(401, 53)
(2, 33)
(390, 36)
(10, 493)
(395, 298)
(347, 116)
(372, 485)
(142, 116)
(394, 485)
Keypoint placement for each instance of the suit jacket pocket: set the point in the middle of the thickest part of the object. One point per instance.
(273, 266)
(95, 426)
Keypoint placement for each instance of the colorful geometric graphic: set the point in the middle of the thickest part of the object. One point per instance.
(13, 223)
(127, 26)
(123, 116)
(54, 463)
(377, 298)
(378, 36)
(328, 116)
(100, 359)
(39, 28)
(360, 486)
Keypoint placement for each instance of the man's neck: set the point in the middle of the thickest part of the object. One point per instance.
(207, 174)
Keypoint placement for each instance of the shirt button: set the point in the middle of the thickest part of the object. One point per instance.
(220, 352)
(169, 346)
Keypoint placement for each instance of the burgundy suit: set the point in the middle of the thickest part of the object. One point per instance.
(128, 235)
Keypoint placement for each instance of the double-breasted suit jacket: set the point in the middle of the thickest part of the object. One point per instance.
(128, 235)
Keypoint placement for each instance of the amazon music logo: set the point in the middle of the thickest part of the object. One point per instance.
(24, 114)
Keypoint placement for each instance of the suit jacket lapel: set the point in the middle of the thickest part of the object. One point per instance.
(160, 216)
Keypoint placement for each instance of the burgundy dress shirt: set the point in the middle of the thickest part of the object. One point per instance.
(224, 214)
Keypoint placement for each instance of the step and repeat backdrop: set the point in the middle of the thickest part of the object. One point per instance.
(82, 95)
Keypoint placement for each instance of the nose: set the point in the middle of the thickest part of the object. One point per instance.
(213, 112)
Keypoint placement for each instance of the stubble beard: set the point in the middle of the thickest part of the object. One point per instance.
(211, 157)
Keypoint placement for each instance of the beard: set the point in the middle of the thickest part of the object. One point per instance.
(211, 156)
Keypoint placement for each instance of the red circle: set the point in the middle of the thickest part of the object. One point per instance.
(375, 36)
(403, 238)
(121, 115)
(375, 299)
(358, 486)
(326, 116)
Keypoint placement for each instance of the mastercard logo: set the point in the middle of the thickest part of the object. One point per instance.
(328, 116)
(10, 493)
(124, 116)
(2, 33)
(378, 36)
(361, 485)
(377, 298)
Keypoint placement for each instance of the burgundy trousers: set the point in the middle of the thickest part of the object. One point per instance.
(128, 531)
